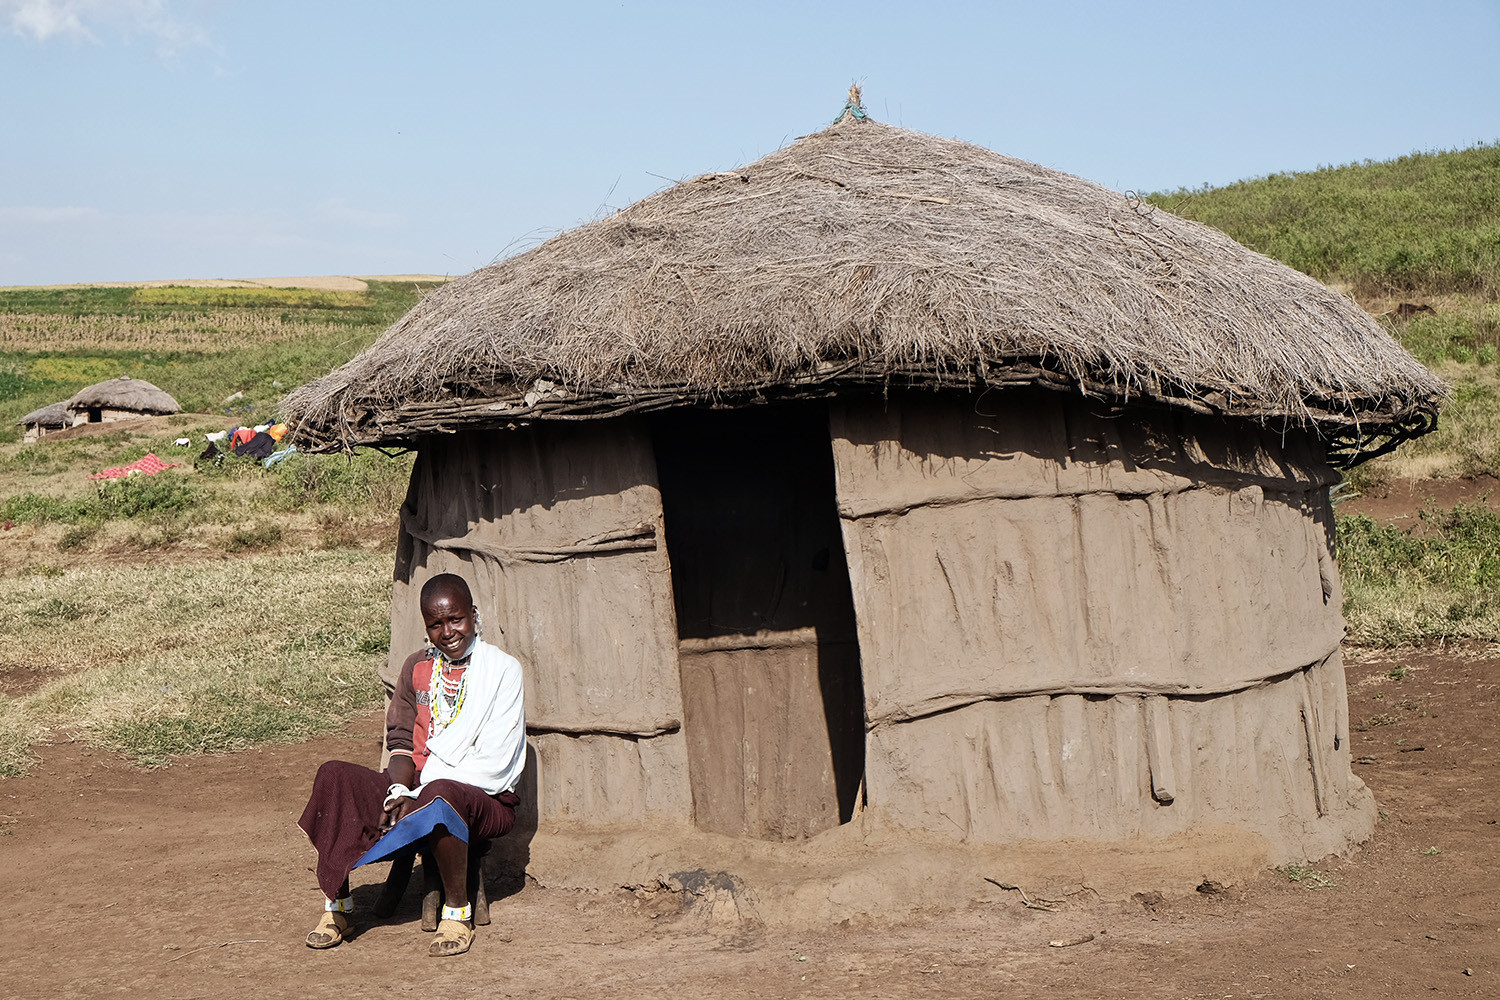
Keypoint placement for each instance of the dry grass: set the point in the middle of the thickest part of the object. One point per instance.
(192, 657)
(1467, 439)
(61, 518)
(221, 331)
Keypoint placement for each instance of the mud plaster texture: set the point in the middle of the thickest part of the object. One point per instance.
(1071, 625)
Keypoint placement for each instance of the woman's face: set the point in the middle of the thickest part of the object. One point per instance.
(450, 624)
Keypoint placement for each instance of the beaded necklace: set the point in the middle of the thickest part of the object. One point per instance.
(440, 693)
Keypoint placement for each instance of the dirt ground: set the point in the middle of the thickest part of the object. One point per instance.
(1399, 500)
(194, 882)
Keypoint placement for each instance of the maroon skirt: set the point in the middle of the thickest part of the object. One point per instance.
(344, 814)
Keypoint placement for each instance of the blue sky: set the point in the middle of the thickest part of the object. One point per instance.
(144, 139)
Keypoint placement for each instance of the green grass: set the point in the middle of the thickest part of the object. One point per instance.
(1428, 222)
(1435, 583)
(136, 496)
(1465, 443)
(173, 658)
(234, 506)
(1461, 329)
(202, 345)
(1308, 878)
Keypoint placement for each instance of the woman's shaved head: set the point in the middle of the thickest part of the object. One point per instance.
(449, 585)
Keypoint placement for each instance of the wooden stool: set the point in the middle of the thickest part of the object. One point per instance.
(432, 886)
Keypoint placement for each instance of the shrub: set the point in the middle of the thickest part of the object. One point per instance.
(1439, 581)
(261, 535)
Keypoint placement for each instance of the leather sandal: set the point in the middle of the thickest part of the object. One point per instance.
(330, 930)
(453, 938)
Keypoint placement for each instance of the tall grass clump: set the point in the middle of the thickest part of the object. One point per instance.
(1425, 222)
(112, 499)
(367, 481)
(193, 657)
(1437, 582)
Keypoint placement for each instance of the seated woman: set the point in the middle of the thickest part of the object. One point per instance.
(456, 732)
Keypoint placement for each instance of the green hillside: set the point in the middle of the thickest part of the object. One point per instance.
(1425, 223)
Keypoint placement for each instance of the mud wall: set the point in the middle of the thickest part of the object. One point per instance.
(1045, 596)
(558, 529)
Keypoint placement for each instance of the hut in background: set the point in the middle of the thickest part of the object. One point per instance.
(891, 474)
(40, 423)
(122, 398)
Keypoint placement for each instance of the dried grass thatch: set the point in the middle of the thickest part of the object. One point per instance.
(50, 418)
(123, 393)
(867, 255)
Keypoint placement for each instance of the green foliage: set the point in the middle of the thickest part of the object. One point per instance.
(366, 478)
(1467, 439)
(1466, 332)
(1428, 221)
(112, 499)
(1436, 582)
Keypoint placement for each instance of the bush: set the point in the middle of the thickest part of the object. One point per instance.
(136, 496)
(114, 499)
(261, 535)
(1436, 582)
(360, 481)
(1426, 221)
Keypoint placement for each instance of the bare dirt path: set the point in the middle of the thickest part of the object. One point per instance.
(194, 882)
(1401, 500)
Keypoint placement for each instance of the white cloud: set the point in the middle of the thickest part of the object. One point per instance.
(43, 20)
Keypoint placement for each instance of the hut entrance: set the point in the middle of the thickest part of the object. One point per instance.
(773, 701)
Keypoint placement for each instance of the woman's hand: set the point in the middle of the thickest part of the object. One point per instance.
(397, 811)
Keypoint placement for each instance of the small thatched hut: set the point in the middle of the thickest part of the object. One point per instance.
(891, 474)
(40, 423)
(122, 398)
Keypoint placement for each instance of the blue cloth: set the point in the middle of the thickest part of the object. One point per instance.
(276, 458)
(404, 836)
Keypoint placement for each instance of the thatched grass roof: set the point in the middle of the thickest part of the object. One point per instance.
(50, 417)
(868, 255)
(123, 393)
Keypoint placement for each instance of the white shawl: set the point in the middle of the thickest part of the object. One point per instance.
(485, 745)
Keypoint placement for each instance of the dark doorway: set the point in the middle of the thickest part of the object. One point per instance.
(772, 694)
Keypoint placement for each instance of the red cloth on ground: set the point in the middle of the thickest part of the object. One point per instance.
(343, 815)
(150, 466)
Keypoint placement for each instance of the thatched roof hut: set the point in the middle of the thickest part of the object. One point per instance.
(888, 476)
(119, 399)
(39, 423)
(871, 255)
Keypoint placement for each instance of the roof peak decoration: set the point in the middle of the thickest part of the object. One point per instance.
(853, 108)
